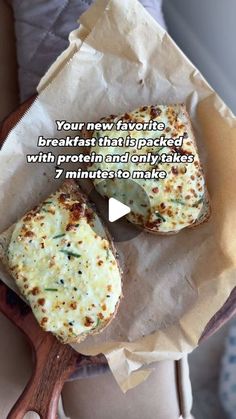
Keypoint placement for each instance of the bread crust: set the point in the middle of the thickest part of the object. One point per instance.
(206, 211)
(72, 188)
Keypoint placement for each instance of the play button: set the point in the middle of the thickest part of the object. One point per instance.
(124, 199)
(117, 210)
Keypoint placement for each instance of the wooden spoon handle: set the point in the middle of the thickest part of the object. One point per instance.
(54, 363)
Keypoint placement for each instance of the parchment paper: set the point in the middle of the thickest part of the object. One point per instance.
(119, 59)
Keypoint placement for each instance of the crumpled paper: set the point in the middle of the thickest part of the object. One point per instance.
(119, 59)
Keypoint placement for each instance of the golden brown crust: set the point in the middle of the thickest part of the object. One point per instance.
(198, 222)
(203, 219)
(207, 206)
(206, 211)
(96, 331)
(68, 187)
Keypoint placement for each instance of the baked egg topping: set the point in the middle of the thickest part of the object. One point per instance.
(174, 202)
(63, 264)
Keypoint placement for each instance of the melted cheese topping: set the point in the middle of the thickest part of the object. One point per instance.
(63, 264)
(175, 202)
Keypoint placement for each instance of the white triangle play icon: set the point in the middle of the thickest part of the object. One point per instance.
(116, 210)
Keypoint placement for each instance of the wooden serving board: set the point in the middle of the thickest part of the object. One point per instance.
(54, 362)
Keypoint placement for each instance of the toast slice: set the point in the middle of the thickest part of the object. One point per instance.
(181, 199)
(65, 265)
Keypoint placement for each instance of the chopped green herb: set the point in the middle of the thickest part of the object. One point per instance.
(68, 253)
(96, 135)
(178, 201)
(97, 324)
(155, 152)
(48, 202)
(160, 216)
(59, 236)
(50, 289)
(108, 254)
(44, 210)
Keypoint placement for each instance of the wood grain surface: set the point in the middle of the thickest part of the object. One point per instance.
(53, 361)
